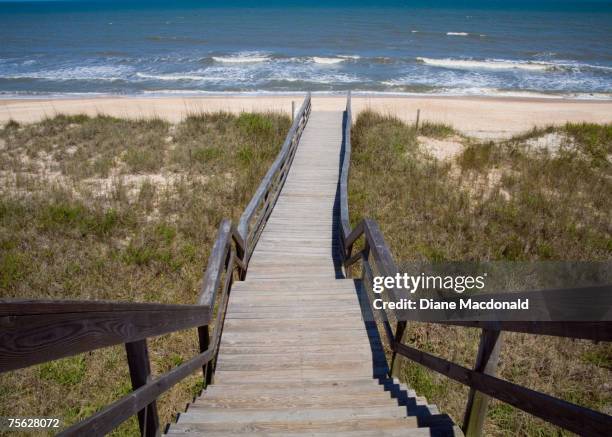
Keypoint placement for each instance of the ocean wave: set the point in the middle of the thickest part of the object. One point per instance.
(181, 77)
(97, 73)
(309, 75)
(321, 60)
(465, 34)
(492, 64)
(242, 58)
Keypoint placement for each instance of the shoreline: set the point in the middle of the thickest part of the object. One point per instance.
(162, 94)
(478, 116)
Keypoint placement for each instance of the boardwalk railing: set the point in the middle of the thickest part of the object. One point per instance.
(38, 331)
(260, 207)
(375, 256)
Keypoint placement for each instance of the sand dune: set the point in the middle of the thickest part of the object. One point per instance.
(482, 117)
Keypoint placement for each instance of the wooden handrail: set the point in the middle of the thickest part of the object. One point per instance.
(595, 331)
(345, 223)
(268, 191)
(34, 332)
(566, 415)
(580, 420)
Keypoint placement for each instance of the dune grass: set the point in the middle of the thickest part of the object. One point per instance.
(496, 201)
(106, 208)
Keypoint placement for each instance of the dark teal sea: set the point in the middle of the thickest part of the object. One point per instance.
(433, 47)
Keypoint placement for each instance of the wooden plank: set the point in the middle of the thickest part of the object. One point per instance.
(596, 331)
(31, 339)
(357, 387)
(295, 400)
(343, 348)
(212, 415)
(337, 425)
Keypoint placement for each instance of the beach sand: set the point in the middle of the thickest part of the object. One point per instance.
(482, 117)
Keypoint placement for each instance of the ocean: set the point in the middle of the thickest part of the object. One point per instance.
(544, 48)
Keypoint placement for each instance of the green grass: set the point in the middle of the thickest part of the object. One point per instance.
(436, 130)
(67, 371)
(126, 210)
(495, 201)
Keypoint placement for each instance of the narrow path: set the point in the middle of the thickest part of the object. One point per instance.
(296, 357)
(299, 238)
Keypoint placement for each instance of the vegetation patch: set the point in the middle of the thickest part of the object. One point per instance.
(514, 200)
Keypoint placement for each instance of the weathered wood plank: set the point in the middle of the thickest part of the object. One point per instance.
(36, 338)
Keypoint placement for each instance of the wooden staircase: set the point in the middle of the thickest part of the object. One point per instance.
(296, 356)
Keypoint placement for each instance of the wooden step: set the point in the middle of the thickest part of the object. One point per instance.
(236, 415)
(303, 376)
(358, 386)
(294, 400)
(334, 426)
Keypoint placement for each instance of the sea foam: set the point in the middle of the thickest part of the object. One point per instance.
(493, 64)
(321, 60)
(242, 58)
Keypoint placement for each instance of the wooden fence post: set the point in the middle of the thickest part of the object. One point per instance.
(486, 362)
(204, 338)
(399, 335)
(140, 374)
(292, 110)
(417, 120)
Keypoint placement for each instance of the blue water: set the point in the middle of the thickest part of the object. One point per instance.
(452, 47)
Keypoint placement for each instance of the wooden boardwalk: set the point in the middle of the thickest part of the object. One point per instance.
(285, 339)
(296, 357)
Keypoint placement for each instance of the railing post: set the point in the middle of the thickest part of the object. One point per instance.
(204, 339)
(399, 335)
(140, 374)
(486, 362)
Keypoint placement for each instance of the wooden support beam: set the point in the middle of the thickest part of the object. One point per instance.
(204, 341)
(140, 374)
(486, 363)
(400, 329)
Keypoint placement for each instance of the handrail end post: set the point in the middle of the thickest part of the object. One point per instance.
(486, 363)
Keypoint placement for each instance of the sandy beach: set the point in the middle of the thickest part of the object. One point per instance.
(481, 117)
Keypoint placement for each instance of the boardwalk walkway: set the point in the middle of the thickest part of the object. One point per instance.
(296, 357)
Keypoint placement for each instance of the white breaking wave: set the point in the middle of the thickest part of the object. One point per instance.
(101, 73)
(457, 33)
(349, 56)
(242, 58)
(319, 60)
(181, 77)
(493, 64)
